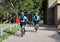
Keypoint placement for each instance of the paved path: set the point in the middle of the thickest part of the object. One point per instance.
(44, 34)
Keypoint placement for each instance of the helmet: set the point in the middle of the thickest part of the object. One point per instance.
(22, 13)
(36, 14)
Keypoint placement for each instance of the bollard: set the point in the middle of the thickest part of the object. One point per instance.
(16, 25)
(1, 32)
(10, 28)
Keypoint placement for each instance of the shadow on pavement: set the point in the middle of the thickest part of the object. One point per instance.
(56, 37)
(41, 25)
(17, 34)
(44, 27)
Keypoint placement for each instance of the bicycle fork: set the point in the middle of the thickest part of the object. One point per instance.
(36, 27)
(22, 31)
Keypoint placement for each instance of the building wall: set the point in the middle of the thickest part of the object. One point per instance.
(58, 16)
(50, 16)
(55, 15)
(58, 12)
(51, 2)
(52, 12)
(58, 1)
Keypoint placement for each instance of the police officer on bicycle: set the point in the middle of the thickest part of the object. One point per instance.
(23, 20)
(36, 19)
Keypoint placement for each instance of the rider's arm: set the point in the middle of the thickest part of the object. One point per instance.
(39, 18)
(26, 19)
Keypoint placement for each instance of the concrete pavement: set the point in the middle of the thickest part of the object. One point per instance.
(44, 34)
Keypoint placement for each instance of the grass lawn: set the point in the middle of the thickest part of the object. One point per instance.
(8, 33)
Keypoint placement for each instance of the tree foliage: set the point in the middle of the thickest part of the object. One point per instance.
(30, 7)
(23, 5)
(1, 10)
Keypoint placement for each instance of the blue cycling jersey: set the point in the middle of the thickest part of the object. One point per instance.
(35, 18)
(23, 18)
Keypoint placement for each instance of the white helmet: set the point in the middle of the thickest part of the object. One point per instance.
(36, 14)
(22, 13)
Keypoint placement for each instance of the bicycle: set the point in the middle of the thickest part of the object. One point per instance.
(23, 31)
(36, 27)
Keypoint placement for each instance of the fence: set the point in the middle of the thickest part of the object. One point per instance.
(7, 27)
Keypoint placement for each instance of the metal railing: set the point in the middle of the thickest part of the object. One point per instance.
(7, 27)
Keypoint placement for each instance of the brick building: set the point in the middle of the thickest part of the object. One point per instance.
(51, 10)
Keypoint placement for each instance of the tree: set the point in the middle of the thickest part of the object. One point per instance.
(1, 10)
(30, 7)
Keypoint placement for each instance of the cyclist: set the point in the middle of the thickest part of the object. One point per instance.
(23, 20)
(36, 20)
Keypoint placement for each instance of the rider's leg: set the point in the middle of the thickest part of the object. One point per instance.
(21, 29)
(21, 32)
(22, 26)
(37, 26)
(34, 26)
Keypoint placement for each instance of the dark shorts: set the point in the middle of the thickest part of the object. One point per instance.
(22, 23)
(36, 22)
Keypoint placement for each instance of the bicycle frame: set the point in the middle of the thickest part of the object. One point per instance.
(22, 31)
(36, 27)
